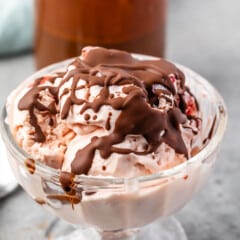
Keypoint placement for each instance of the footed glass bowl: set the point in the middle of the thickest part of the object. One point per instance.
(117, 208)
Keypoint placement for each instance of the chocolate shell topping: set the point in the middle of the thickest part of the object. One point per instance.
(140, 114)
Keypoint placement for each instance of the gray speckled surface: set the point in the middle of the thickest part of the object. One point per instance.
(205, 36)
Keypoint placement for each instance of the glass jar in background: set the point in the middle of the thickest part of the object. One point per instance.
(64, 27)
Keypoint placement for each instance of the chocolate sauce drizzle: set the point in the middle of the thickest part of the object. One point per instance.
(139, 115)
(30, 165)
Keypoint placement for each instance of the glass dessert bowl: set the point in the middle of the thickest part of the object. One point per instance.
(122, 208)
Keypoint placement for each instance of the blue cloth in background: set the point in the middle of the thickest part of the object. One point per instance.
(16, 26)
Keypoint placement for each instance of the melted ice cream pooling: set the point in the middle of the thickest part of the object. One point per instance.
(139, 115)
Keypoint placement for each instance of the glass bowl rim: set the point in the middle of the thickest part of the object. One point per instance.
(55, 173)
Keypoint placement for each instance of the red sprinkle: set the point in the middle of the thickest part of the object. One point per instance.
(190, 109)
(44, 80)
(191, 106)
(172, 78)
(185, 177)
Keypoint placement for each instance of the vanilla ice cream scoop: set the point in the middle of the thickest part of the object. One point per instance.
(109, 114)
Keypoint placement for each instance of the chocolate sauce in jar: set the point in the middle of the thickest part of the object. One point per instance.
(64, 27)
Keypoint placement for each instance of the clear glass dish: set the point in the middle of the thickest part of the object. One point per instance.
(118, 208)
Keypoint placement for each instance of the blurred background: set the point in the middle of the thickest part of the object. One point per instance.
(203, 35)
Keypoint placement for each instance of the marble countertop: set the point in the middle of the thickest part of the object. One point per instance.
(203, 35)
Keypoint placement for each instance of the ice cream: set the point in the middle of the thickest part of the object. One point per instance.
(107, 114)
(128, 137)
